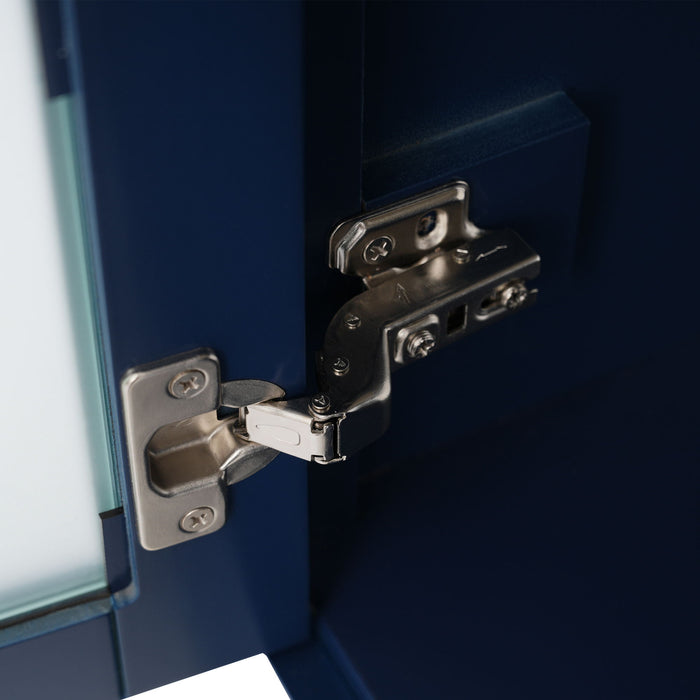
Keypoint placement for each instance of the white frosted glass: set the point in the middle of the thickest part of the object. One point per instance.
(51, 489)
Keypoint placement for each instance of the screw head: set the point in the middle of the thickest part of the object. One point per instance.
(420, 343)
(352, 322)
(320, 403)
(187, 384)
(514, 295)
(378, 249)
(461, 255)
(340, 366)
(198, 520)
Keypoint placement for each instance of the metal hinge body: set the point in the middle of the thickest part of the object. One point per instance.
(431, 277)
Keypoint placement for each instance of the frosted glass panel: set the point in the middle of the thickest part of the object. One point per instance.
(55, 471)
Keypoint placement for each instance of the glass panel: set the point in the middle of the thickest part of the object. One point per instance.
(55, 459)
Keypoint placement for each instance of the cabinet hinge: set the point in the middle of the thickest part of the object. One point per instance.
(431, 276)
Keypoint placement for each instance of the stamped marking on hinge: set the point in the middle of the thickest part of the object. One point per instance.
(488, 253)
(400, 294)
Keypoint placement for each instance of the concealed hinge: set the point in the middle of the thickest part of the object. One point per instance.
(431, 277)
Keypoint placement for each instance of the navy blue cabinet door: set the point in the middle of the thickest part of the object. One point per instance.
(190, 118)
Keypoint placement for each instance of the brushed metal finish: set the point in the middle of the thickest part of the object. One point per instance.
(402, 233)
(148, 406)
(182, 456)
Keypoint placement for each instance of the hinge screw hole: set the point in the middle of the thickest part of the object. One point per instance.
(427, 224)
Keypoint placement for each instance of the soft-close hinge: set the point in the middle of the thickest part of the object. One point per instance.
(431, 277)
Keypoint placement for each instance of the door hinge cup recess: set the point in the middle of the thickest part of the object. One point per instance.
(431, 276)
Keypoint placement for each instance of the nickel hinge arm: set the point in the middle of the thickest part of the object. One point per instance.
(431, 277)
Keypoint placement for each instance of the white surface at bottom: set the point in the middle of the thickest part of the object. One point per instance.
(249, 679)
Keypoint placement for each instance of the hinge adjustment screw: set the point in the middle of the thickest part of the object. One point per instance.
(420, 343)
(340, 366)
(461, 255)
(351, 321)
(320, 403)
(514, 295)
